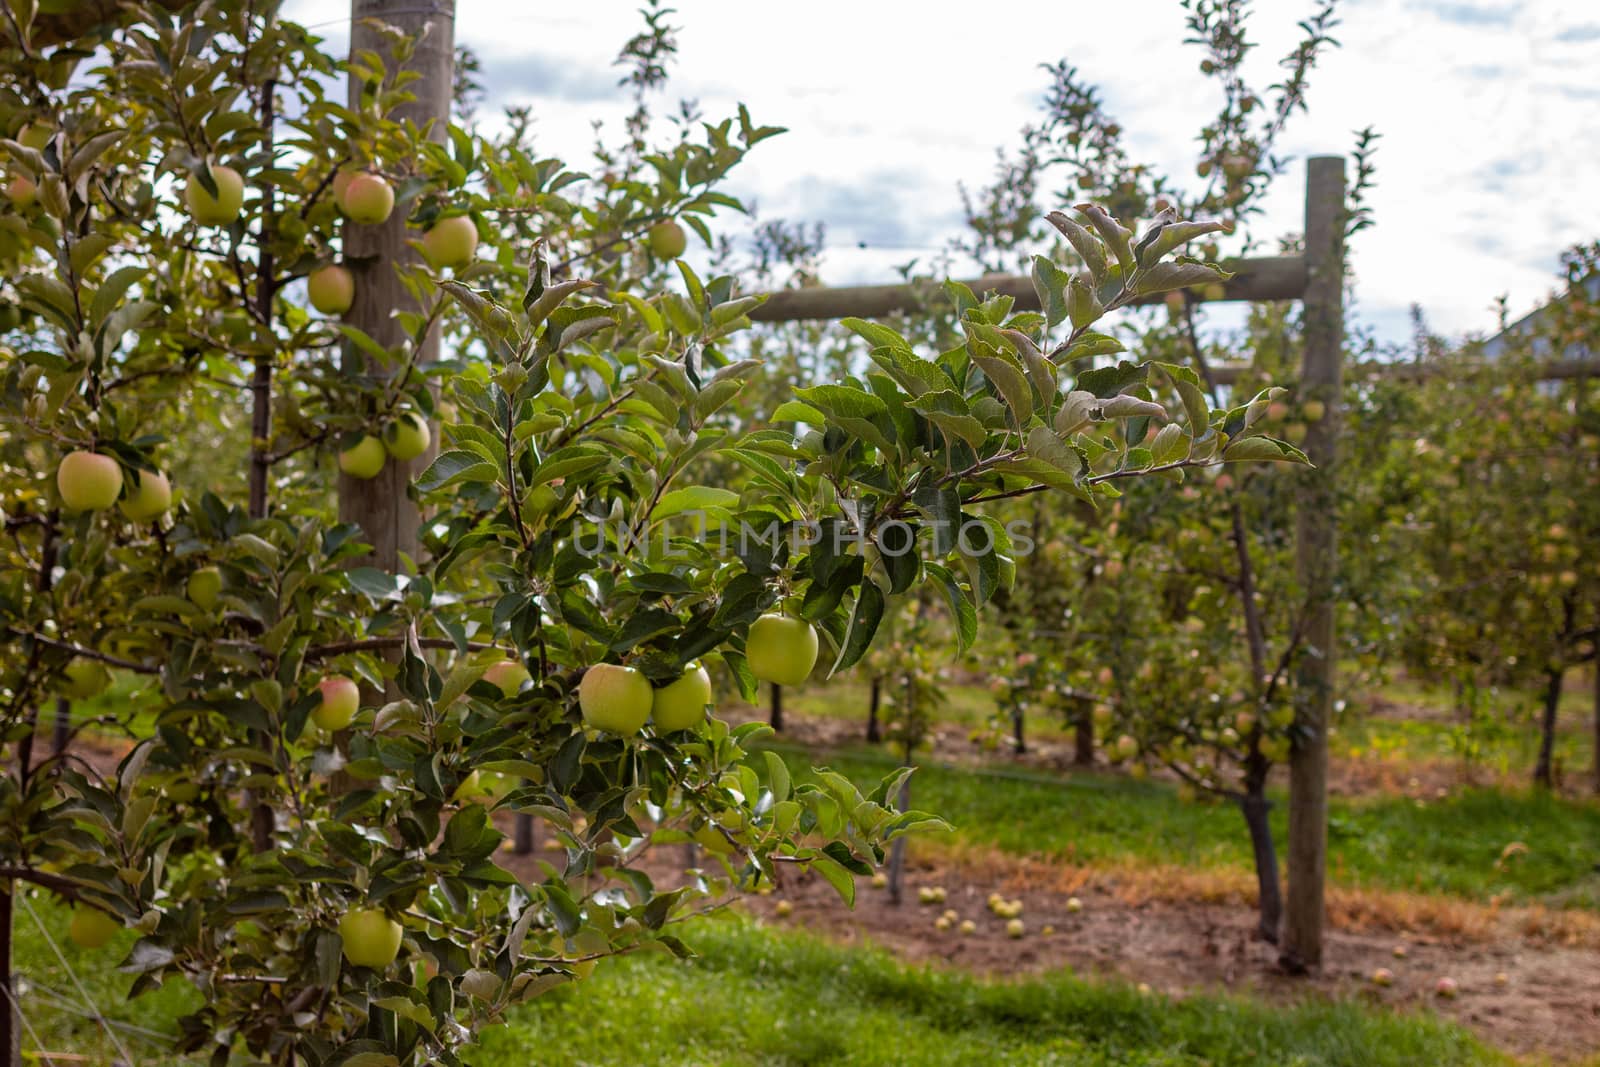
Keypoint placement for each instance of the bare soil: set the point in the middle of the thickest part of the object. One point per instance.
(1549, 1003)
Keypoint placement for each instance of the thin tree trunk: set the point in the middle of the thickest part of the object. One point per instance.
(875, 699)
(1597, 723)
(1083, 735)
(523, 845)
(775, 718)
(1018, 740)
(63, 728)
(1255, 809)
(262, 819)
(1543, 771)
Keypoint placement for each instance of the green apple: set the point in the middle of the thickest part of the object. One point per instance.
(88, 481)
(364, 198)
(84, 679)
(615, 698)
(1126, 747)
(332, 289)
(91, 928)
(219, 210)
(1074, 905)
(1277, 411)
(783, 909)
(340, 700)
(371, 938)
(1294, 433)
(204, 587)
(681, 705)
(471, 787)
(781, 650)
(451, 242)
(21, 191)
(1313, 410)
(150, 496)
(406, 436)
(364, 459)
(967, 928)
(34, 136)
(1015, 929)
(667, 240)
(508, 674)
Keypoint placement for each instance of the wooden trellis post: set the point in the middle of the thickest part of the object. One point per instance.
(380, 506)
(1321, 378)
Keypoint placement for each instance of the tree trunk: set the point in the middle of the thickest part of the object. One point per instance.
(1316, 521)
(897, 847)
(381, 506)
(875, 699)
(1255, 807)
(1083, 736)
(1597, 723)
(524, 844)
(63, 729)
(1544, 770)
(1019, 742)
(775, 717)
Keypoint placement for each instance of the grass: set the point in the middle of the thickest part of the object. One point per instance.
(757, 997)
(55, 1006)
(761, 997)
(1452, 846)
(1505, 745)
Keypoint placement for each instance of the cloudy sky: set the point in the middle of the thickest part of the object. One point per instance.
(1489, 111)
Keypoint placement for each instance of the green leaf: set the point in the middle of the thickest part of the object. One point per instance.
(1043, 444)
(1109, 381)
(1006, 373)
(843, 882)
(1179, 274)
(777, 776)
(796, 411)
(694, 498)
(863, 626)
(457, 465)
(853, 410)
(962, 610)
(1050, 282)
(947, 410)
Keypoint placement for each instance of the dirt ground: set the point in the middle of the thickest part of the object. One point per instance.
(1549, 1002)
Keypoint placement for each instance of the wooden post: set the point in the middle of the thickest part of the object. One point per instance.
(1321, 377)
(387, 516)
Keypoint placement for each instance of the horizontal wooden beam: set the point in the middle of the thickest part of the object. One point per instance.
(1265, 278)
(1354, 374)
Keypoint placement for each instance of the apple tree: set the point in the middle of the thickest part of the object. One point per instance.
(307, 827)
